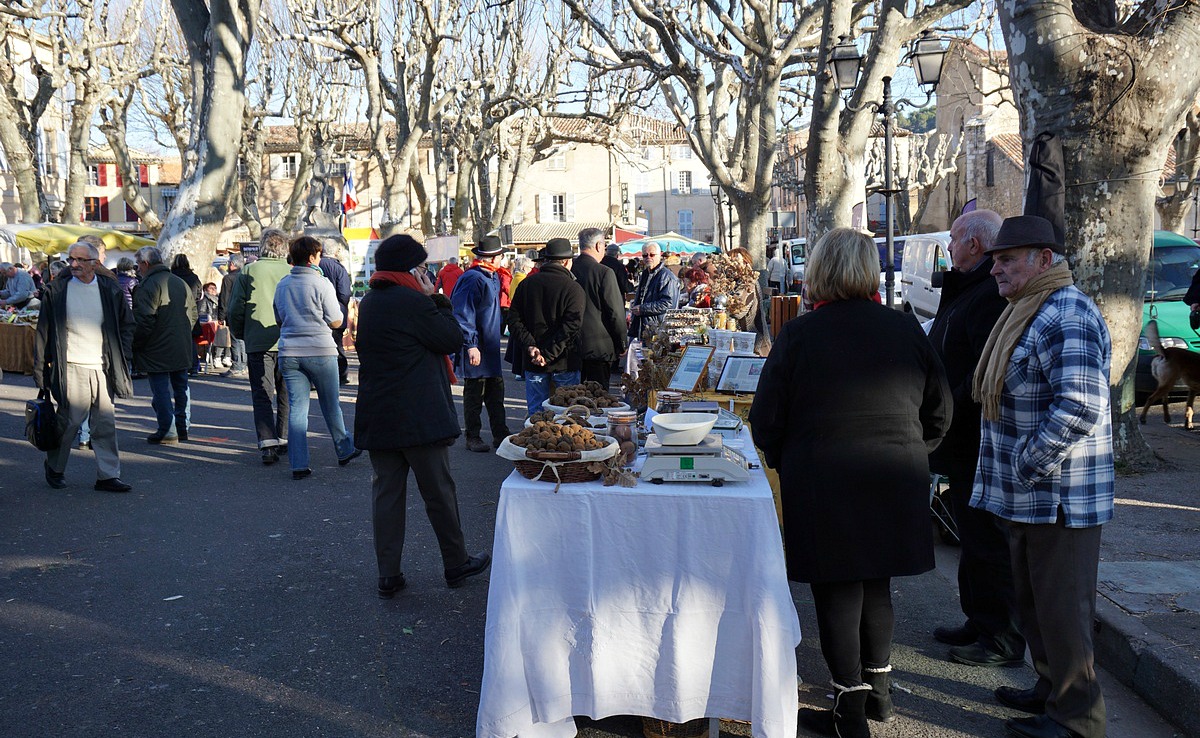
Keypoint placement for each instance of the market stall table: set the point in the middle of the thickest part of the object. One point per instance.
(16, 347)
(667, 601)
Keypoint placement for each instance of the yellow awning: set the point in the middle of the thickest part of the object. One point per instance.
(54, 238)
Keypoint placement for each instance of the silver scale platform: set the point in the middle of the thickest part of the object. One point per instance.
(708, 461)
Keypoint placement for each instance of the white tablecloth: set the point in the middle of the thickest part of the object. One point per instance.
(667, 601)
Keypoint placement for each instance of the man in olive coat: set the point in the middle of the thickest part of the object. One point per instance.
(404, 416)
(602, 338)
(164, 313)
(546, 317)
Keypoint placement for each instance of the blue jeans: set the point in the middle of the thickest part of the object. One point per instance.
(537, 387)
(171, 401)
(239, 355)
(300, 374)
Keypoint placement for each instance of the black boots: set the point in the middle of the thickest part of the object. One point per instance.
(848, 717)
(879, 701)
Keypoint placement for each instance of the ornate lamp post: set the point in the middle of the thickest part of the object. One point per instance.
(926, 55)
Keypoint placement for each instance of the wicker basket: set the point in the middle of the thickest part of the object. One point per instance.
(655, 728)
(558, 466)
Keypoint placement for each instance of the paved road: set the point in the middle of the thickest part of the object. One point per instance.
(220, 598)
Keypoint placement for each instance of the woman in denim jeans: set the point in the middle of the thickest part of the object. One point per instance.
(306, 308)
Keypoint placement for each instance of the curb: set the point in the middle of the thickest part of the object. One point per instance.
(1148, 664)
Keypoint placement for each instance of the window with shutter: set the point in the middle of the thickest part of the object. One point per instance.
(101, 175)
(91, 209)
(144, 174)
(685, 183)
(570, 208)
(559, 213)
(685, 223)
(104, 209)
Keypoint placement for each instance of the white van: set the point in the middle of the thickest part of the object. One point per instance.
(925, 254)
(794, 253)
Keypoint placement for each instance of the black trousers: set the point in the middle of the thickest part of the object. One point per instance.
(343, 364)
(596, 370)
(477, 393)
(389, 487)
(985, 576)
(855, 623)
(1054, 573)
(269, 398)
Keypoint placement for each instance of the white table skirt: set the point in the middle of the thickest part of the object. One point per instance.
(664, 601)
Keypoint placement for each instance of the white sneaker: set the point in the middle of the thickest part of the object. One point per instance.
(228, 362)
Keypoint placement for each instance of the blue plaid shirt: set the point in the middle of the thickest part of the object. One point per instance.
(1052, 446)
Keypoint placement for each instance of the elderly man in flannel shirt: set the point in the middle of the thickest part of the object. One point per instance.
(1046, 468)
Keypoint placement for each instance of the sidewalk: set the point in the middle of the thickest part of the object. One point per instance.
(1148, 612)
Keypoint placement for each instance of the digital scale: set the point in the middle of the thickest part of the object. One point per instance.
(708, 461)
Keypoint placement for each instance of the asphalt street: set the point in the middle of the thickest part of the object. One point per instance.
(221, 599)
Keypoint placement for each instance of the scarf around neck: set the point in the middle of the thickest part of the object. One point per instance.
(404, 279)
(1021, 309)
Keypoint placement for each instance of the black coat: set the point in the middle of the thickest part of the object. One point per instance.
(404, 397)
(851, 400)
(603, 335)
(164, 312)
(621, 273)
(970, 305)
(547, 312)
(50, 347)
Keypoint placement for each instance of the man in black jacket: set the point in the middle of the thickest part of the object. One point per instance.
(612, 260)
(970, 305)
(546, 317)
(602, 338)
(333, 270)
(236, 262)
(82, 354)
(404, 416)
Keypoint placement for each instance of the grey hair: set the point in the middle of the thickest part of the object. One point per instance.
(148, 255)
(273, 244)
(589, 237)
(1055, 257)
(93, 252)
(55, 267)
(125, 264)
(237, 260)
(331, 247)
(982, 225)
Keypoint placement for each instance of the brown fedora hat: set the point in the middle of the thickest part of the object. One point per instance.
(1025, 231)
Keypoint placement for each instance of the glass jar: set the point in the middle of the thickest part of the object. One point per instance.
(622, 426)
(669, 402)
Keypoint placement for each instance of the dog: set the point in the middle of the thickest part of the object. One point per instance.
(1171, 365)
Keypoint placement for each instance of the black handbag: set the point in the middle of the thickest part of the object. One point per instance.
(41, 422)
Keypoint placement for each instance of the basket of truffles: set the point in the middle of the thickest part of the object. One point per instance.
(559, 451)
(591, 395)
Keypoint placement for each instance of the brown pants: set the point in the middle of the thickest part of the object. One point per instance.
(1054, 574)
(431, 467)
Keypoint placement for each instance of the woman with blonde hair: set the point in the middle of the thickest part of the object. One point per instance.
(850, 402)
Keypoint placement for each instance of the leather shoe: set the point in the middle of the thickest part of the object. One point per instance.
(112, 484)
(161, 439)
(477, 444)
(353, 455)
(57, 480)
(475, 565)
(977, 654)
(1025, 700)
(963, 635)
(182, 435)
(1039, 726)
(389, 586)
(299, 474)
(270, 455)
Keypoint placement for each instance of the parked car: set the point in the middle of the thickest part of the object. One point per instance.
(926, 255)
(1173, 261)
(794, 253)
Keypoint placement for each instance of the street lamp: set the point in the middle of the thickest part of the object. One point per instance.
(1196, 209)
(926, 54)
(714, 189)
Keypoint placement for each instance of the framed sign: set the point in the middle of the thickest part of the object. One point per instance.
(691, 367)
(740, 374)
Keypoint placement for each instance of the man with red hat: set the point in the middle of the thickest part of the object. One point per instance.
(476, 301)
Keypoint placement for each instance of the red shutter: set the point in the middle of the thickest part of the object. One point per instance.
(103, 209)
(118, 172)
(144, 175)
(102, 175)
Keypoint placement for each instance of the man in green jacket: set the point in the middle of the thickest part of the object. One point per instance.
(251, 317)
(164, 313)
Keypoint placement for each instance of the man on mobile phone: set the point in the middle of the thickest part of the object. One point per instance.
(476, 301)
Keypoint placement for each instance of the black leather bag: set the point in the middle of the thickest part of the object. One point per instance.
(41, 422)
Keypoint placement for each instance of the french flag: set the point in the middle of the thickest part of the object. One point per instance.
(349, 197)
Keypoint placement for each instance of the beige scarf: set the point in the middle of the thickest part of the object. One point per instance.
(1022, 307)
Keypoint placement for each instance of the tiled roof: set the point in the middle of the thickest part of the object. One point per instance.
(104, 154)
(980, 55)
(345, 135)
(1009, 144)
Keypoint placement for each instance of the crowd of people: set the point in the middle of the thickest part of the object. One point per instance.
(1007, 396)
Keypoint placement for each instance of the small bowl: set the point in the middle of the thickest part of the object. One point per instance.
(683, 429)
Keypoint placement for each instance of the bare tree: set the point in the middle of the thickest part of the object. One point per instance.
(720, 69)
(928, 160)
(1173, 209)
(218, 34)
(22, 105)
(1111, 86)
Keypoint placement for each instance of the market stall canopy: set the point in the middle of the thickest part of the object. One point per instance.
(54, 238)
(670, 242)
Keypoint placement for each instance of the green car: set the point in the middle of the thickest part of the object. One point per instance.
(1173, 261)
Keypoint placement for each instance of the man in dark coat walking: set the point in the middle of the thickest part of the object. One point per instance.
(612, 260)
(602, 338)
(164, 312)
(404, 416)
(476, 301)
(970, 306)
(545, 318)
(333, 270)
(81, 355)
